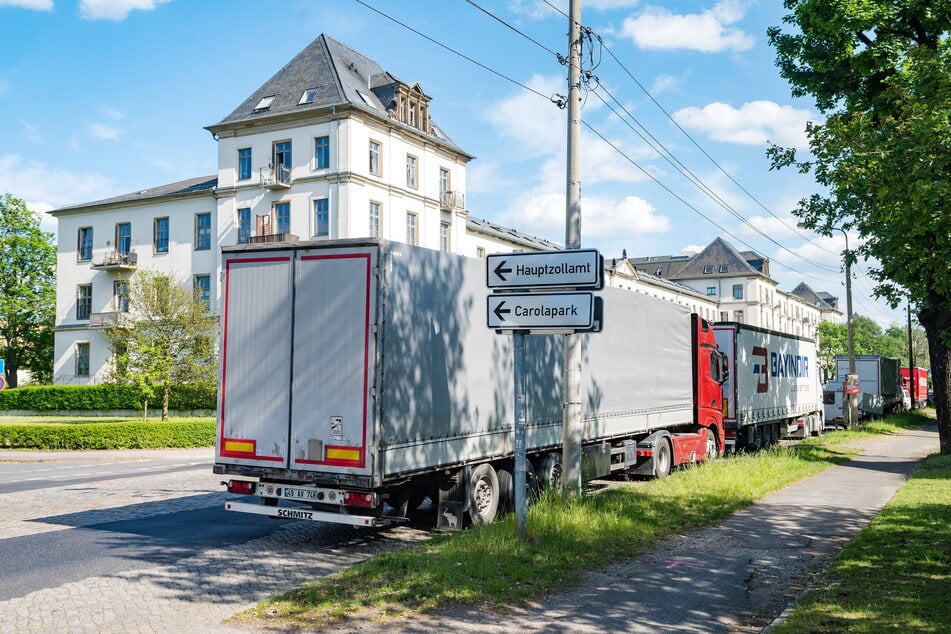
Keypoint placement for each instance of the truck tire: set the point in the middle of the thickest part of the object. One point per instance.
(483, 494)
(663, 459)
(713, 446)
(548, 471)
(506, 489)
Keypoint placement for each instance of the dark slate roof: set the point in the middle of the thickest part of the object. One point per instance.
(498, 231)
(341, 76)
(181, 189)
(659, 265)
(718, 254)
(823, 300)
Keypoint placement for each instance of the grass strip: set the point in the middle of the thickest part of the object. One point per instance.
(490, 566)
(896, 575)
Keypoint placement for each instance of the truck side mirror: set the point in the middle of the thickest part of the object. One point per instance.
(724, 369)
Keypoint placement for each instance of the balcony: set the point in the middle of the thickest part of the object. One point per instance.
(272, 237)
(116, 261)
(103, 321)
(276, 178)
(450, 201)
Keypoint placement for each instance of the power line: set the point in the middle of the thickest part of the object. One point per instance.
(557, 55)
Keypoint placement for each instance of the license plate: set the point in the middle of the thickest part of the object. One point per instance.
(301, 494)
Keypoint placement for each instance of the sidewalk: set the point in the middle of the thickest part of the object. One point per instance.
(734, 577)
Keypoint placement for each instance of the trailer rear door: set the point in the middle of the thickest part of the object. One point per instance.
(333, 363)
(255, 363)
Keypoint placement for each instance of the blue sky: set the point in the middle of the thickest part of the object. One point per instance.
(104, 97)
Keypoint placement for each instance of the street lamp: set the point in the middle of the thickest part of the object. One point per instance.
(852, 414)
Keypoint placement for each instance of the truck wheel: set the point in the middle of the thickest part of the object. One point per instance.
(483, 494)
(662, 458)
(506, 489)
(548, 472)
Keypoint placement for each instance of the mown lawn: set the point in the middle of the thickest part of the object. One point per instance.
(491, 566)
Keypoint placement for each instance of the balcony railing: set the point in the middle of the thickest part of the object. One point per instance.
(276, 177)
(116, 261)
(273, 237)
(451, 200)
(110, 319)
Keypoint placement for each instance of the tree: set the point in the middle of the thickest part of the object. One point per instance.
(880, 71)
(27, 292)
(167, 338)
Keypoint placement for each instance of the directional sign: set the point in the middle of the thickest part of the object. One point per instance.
(541, 311)
(581, 268)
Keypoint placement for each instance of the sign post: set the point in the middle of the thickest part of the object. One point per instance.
(545, 292)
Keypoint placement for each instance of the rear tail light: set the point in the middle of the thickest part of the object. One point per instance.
(645, 453)
(245, 487)
(351, 498)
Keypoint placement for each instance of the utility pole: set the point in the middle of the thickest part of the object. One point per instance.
(571, 377)
(912, 379)
(853, 418)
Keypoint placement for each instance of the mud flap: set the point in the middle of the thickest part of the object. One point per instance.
(453, 502)
(645, 464)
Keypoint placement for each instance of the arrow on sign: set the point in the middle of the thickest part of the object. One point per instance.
(499, 270)
(499, 312)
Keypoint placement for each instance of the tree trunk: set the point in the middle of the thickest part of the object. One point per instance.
(935, 317)
(165, 391)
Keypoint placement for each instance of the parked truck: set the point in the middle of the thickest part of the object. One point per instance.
(915, 380)
(879, 382)
(773, 389)
(358, 378)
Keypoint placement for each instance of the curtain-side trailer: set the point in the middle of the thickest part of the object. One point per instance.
(773, 388)
(359, 377)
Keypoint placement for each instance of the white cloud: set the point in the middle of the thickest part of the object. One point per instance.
(35, 5)
(44, 187)
(603, 218)
(537, 126)
(692, 249)
(115, 10)
(754, 123)
(105, 132)
(663, 83)
(708, 31)
(111, 112)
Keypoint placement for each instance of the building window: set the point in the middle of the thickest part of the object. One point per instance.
(244, 164)
(123, 238)
(444, 182)
(160, 235)
(83, 301)
(445, 237)
(708, 269)
(411, 171)
(411, 233)
(82, 359)
(374, 157)
(322, 218)
(724, 316)
(202, 232)
(307, 96)
(738, 316)
(480, 253)
(84, 246)
(711, 290)
(737, 291)
(374, 220)
(120, 296)
(202, 288)
(282, 162)
(244, 225)
(282, 217)
(724, 268)
(322, 152)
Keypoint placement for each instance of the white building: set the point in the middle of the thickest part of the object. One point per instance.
(742, 289)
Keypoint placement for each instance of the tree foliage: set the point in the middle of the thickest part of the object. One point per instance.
(27, 292)
(880, 71)
(870, 338)
(167, 338)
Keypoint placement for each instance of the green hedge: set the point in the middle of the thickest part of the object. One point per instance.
(103, 396)
(139, 435)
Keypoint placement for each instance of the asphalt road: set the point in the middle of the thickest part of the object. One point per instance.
(140, 542)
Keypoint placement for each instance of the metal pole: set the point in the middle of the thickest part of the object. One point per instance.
(571, 378)
(853, 416)
(520, 461)
(912, 379)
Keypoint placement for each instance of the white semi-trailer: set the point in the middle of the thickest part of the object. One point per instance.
(879, 382)
(773, 389)
(358, 377)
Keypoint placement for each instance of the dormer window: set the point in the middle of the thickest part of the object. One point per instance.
(708, 269)
(367, 100)
(265, 103)
(308, 97)
(724, 268)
